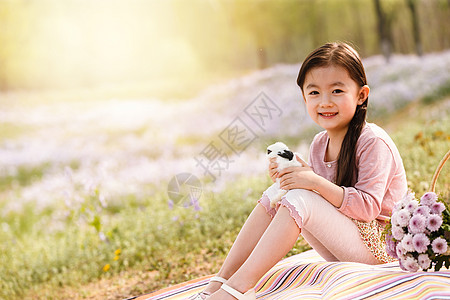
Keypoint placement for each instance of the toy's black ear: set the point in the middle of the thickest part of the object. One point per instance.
(269, 151)
(287, 154)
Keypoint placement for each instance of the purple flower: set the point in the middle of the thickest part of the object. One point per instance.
(439, 245)
(170, 203)
(397, 232)
(403, 217)
(195, 202)
(410, 264)
(428, 198)
(406, 199)
(422, 210)
(400, 251)
(412, 205)
(391, 252)
(400, 262)
(421, 242)
(394, 220)
(407, 242)
(424, 261)
(398, 206)
(437, 208)
(102, 237)
(434, 222)
(390, 246)
(417, 224)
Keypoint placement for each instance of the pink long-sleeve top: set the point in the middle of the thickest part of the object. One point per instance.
(380, 180)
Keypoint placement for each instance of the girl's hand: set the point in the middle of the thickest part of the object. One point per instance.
(298, 177)
(273, 169)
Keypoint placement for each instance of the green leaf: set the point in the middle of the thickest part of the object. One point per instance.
(96, 223)
(439, 263)
(447, 262)
(446, 227)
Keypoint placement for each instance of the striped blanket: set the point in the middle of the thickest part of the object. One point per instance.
(308, 276)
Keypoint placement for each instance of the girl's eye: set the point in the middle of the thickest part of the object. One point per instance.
(337, 91)
(314, 93)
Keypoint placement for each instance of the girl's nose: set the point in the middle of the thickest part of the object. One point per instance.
(325, 101)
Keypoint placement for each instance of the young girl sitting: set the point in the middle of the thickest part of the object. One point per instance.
(340, 201)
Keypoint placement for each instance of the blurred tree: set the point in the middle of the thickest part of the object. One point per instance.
(317, 22)
(72, 43)
(257, 18)
(360, 19)
(412, 4)
(383, 30)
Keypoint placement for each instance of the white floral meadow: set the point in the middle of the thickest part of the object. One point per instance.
(129, 146)
(419, 233)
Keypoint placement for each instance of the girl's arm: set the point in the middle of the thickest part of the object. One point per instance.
(380, 179)
(330, 191)
(305, 178)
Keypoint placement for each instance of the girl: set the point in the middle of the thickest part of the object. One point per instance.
(339, 202)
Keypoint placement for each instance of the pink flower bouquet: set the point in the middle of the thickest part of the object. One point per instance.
(419, 233)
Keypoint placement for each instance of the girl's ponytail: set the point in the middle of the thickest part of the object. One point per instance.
(346, 163)
(343, 55)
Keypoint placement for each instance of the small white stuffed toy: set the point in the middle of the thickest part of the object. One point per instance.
(285, 158)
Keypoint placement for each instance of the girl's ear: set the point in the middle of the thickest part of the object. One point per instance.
(363, 94)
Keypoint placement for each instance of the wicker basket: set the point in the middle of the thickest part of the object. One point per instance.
(438, 170)
(435, 177)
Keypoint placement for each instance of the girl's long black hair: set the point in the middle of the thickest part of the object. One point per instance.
(343, 55)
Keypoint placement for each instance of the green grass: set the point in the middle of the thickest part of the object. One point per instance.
(442, 92)
(149, 234)
(52, 253)
(422, 135)
(23, 177)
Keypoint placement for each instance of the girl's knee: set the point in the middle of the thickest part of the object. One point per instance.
(304, 202)
(287, 215)
(302, 194)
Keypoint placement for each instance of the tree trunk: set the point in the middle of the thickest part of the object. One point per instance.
(412, 4)
(383, 34)
(262, 58)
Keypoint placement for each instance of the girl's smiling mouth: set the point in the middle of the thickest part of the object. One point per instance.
(328, 114)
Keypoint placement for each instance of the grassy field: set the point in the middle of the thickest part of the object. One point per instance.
(142, 243)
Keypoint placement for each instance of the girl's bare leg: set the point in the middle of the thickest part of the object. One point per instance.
(277, 240)
(248, 237)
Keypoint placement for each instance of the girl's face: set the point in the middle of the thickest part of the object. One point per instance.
(331, 97)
